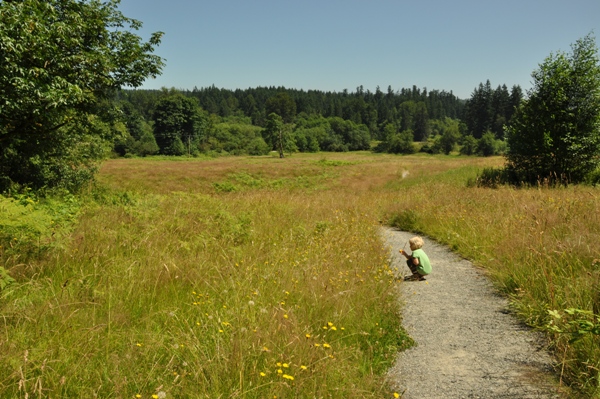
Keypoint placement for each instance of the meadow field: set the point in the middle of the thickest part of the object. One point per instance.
(260, 277)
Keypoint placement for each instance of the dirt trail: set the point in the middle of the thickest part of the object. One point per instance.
(468, 343)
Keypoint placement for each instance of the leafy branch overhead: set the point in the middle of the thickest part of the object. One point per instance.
(58, 58)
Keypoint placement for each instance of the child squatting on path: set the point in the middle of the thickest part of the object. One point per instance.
(417, 262)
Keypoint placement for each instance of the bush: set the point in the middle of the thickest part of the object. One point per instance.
(258, 146)
(405, 220)
(469, 145)
(401, 143)
(487, 145)
(30, 224)
(427, 148)
(593, 178)
(491, 178)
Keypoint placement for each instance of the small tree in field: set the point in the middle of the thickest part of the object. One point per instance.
(275, 133)
(486, 145)
(556, 131)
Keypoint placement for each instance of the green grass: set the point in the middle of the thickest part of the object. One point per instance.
(227, 277)
(273, 290)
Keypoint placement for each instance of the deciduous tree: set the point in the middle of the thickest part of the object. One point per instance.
(57, 59)
(556, 132)
(177, 124)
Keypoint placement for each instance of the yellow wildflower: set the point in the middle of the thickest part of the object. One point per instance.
(303, 367)
(326, 346)
(288, 377)
(262, 374)
(307, 335)
(285, 365)
(396, 395)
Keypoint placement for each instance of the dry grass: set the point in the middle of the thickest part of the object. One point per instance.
(206, 278)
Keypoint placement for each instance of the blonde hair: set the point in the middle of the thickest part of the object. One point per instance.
(416, 242)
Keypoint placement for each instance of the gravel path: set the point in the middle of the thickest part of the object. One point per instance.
(468, 344)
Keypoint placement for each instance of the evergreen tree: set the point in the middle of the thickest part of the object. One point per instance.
(500, 104)
(478, 110)
(516, 96)
(283, 105)
(421, 122)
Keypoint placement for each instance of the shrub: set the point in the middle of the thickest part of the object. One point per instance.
(405, 220)
(401, 143)
(593, 178)
(258, 146)
(487, 145)
(492, 177)
(469, 145)
(31, 225)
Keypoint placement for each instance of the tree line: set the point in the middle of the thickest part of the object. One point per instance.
(218, 120)
(408, 108)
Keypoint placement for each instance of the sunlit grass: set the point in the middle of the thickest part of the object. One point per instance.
(270, 290)
(258, 277)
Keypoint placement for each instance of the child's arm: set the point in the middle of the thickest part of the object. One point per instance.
(407, 256)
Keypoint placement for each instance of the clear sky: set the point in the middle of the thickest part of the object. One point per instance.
(332, 45)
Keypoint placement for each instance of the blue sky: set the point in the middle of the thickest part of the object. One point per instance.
(332, 45)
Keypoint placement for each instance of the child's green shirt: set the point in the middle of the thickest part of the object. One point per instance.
(424, 266)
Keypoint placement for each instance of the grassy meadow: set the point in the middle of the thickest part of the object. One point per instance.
(260, 277)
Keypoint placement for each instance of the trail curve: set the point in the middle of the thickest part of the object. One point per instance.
(468, 344)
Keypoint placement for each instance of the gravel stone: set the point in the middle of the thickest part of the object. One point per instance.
(468, 344)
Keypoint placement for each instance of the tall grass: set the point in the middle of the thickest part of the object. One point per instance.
(540, 246)
(261, 277)
(171, 287)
